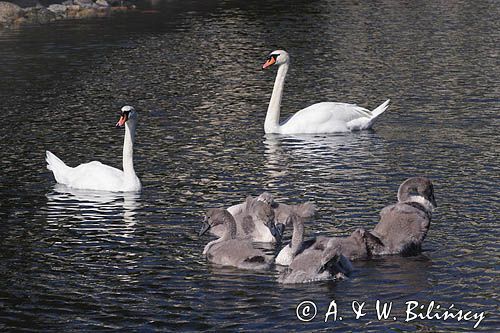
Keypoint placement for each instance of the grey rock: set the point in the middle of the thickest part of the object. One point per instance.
(58, 9)
(102, 3)
(38, 15)
(9, 12)
(85, 3)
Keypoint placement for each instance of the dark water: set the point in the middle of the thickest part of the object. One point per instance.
(108, 262)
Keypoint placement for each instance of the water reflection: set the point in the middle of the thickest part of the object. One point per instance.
(98, 207)
(338, 157)
(311, 147)
(135, 262)
(102, 223)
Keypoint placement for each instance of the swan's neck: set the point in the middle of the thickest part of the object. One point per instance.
(229, 231)
(420, 200)
(210, 244)
(230, 227)
(297, 236)
(128, 152)
(272, 123)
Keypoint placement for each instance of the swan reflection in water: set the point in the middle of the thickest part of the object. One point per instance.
(96, 229)
(342, 153)
(103, 207)
(101, 215)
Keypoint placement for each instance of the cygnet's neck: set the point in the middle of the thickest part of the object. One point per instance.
(230, 226)
(297, 235)
(420, 200)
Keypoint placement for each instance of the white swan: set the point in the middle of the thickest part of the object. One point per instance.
(326, 117)
(97, 176)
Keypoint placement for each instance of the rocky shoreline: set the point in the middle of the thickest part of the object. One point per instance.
(23, 12)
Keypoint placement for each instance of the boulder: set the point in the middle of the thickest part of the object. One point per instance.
(72, 11)
(85, 3)
(86, 13)
(58, 9)
(102, 3)
(9, 13)
(38, 15)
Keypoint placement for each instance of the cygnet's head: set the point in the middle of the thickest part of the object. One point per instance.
(263, 212)
(127, 113)
(333, 261)
(213, 217)
(266, 197)
(277, 57)
(418, 189)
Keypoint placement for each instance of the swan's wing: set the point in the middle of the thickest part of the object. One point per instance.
(283, 211)
(317, 262)
(237, 209)
(324, 117)
(97, 176)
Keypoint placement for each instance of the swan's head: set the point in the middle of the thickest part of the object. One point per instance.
(127, 113)
(214, 217)
(277, 57)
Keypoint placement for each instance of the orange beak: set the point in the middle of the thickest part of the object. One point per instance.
(269, 62)
(121, 122)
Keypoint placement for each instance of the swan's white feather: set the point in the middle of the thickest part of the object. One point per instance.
(93, 175)
(97, 176)
(325, 117)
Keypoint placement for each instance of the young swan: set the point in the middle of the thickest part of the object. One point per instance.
(322, 261)
(317, 259)
(250, 221)
(228, 250)
(403, 226)
(252, 218)
(355, 246)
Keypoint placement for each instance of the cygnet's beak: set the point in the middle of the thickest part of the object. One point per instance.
(204, 227)
(280, 228)
(433, 200)
(276, 230)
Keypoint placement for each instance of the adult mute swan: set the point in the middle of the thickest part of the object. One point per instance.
(325, 117)
(97, 176)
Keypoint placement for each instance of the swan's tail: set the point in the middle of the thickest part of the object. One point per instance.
(57, 166)
(376, 113)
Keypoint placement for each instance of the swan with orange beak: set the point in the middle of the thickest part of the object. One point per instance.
(325, 117)
(97, 176)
